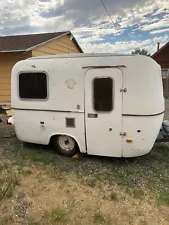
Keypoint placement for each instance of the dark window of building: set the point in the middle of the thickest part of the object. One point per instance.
(103, 94)
(33, 85)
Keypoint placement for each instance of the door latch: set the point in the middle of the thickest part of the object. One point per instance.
(92, 115)
(123, 134)
(123, 90)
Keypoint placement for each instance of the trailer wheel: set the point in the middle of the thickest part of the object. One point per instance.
(65, 145)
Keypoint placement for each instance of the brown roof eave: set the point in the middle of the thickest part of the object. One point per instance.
(14, 51)
(161, 49)
(52, 39)
(26, 43)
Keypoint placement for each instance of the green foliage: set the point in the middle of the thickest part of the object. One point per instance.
(140, 52)
(163, 198)
(113, 196)
(58, 214)
(98, 218)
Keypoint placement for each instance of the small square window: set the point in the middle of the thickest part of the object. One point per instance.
(33, 85)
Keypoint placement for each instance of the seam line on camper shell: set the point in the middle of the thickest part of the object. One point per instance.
(102, 67)
(47, 110)
(157, 114)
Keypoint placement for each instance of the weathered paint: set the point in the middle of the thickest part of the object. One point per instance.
(137, 114)
(8, 60)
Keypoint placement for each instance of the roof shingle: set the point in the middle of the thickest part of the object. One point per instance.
(25, 42)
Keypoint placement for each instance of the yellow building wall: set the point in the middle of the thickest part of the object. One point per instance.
(63, 45)
(7, 61)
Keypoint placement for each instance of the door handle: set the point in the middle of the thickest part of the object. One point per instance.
(92, 115)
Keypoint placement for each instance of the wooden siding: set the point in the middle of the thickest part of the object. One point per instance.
(62, 45)
(162, 58)
(7, 61)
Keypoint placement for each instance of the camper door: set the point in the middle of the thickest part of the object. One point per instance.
(103, 111)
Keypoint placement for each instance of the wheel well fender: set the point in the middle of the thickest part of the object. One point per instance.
(59, 134)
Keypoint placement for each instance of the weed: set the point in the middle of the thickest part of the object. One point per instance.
(135, 192)
(31, 221)
(33, 153)
(143, 222)
(8, 181)
(26, 171)
(58, 214)
(8, 219)
(91, 182)
(113, 196)
(163, 198)
(98, 218)
(138, 193)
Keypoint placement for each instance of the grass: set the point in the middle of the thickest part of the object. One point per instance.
(98, 218)
(5, 220)
(31, 221)
(143, 222)
(135, 193)
(82, 184)
(58, 214)
(34, 153)
(9, 179)
(163, 198)
(128, 173)
(113, 196)
(138, 193)
(149, 172)
(90, 181)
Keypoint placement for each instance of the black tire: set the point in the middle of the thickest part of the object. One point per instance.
(66, 149)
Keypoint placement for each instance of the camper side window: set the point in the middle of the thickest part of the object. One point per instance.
(103, 94)
(33, 85)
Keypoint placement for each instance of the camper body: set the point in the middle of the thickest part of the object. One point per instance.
(108, 105)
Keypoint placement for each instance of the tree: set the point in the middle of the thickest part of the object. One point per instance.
(140, 52)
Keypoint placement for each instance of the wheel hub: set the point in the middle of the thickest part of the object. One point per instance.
(66, 143)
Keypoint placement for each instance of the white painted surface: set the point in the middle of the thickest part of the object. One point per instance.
(67, 98)
(29, 128)
(101, 136)
(143, 141)
(143, 81)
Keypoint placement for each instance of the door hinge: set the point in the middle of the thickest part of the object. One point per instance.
(123, 134)
(123, 90)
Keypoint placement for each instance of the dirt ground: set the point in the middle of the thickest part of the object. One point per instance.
(38, 186)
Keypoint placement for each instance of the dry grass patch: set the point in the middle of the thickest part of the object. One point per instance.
(9, 179)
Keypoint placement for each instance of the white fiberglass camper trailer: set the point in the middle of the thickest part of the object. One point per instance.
(101, 104)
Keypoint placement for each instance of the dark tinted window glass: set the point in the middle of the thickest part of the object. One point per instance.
(103, 94)
(33, 85)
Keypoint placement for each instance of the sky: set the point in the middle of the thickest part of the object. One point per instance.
(131, 24)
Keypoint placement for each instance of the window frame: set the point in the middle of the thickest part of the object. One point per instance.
(47, 86)
(103, 77)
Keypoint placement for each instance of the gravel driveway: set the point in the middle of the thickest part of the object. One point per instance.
(166, 116)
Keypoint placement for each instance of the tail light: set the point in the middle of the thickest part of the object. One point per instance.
(10, 121)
